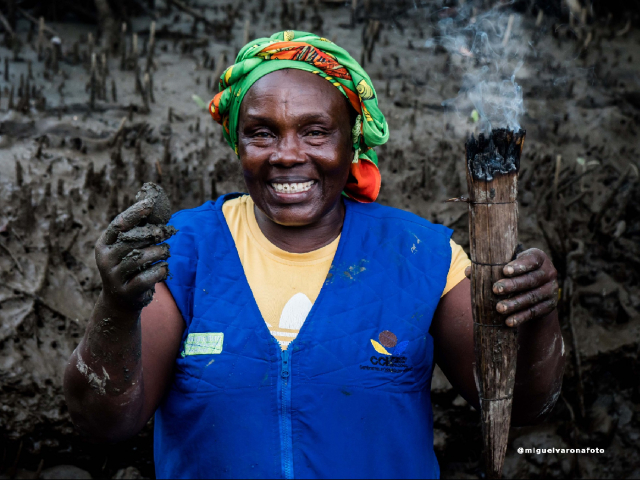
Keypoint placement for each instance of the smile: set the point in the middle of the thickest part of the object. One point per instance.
(293, 187)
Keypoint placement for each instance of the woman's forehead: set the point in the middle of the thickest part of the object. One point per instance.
(292, 86)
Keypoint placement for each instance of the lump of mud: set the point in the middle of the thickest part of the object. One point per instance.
(152, 232)
(161, 212)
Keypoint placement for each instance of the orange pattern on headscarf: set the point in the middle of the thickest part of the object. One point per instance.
(304, 52)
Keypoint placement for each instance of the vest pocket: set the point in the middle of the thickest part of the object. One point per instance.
(230, 359)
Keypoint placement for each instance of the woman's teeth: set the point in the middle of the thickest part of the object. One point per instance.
(292, 187)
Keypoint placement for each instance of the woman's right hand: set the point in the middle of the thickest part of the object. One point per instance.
(107, 396)
(130, 260)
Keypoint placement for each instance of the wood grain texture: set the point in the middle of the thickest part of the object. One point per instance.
(493, 237)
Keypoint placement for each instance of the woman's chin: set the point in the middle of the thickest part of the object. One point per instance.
(295, 215)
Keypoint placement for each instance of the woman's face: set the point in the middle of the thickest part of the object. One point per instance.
(294, 142)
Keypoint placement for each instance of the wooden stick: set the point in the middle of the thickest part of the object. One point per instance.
(90, 43)
(166, 152)
(134, 50)
(152, 97)
(151, 46)
(56, 53)
(6, 25)
(159, 172)
(40, 36)
(220, 67)
(354, 10)
(556, 176)
(492, 177)
(624, 30)
(247, 26)
(19, 174)
(123, 46)
(145, 93)
(92, 83)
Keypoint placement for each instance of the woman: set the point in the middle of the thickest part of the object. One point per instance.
(298, 331)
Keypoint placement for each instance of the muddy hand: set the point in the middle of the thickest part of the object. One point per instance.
(532, 280)
(129, 261)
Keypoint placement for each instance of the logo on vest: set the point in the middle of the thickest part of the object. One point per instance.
(391, 359)
(203, 344)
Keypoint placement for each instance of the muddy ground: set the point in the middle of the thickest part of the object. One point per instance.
(67, 166)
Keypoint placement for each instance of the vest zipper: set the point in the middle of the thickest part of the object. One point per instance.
(286, 441)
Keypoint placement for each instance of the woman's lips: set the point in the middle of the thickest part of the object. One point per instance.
(293, 192)
(291, 187)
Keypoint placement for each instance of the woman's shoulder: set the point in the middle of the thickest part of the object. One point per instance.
(399, 217)
(205, 214)
(185, 213)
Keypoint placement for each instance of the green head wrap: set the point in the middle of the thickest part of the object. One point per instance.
(309, 52)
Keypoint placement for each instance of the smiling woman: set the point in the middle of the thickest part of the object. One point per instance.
(294, 129)
(302, 322)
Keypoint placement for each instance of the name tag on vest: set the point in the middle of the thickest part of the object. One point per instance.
(203, 344)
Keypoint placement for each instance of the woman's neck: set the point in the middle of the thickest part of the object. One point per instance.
(306, 238)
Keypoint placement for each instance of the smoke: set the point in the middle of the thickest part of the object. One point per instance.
(488, 51)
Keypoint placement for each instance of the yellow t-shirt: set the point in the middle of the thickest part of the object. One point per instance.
(285, 285)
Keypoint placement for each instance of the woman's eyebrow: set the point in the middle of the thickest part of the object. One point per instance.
(257, 118)
(314, 117)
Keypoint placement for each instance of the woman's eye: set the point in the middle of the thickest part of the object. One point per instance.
(316, 133)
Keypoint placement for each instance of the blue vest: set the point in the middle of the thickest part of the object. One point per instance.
(351, 395)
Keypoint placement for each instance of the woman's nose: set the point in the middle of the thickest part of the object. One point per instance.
(288, 152)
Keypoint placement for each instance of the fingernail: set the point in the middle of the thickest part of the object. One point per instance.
(510, 323)
(500, 288)
(509, 270)
(500, 307)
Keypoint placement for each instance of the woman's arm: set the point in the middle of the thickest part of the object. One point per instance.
(540, 363)
(118, 374)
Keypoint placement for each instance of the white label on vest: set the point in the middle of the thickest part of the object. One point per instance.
(203, 344)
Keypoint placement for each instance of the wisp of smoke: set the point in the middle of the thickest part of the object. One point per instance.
(487, 59)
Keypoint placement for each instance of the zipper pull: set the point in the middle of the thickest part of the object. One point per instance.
(285, 364)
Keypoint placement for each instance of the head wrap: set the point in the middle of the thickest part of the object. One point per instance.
(309, 52)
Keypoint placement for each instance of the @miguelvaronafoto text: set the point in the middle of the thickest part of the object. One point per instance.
(539, 451)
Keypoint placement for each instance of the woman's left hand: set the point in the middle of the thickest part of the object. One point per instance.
(533, 279)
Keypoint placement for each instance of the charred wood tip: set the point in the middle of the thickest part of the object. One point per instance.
(497, 154)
